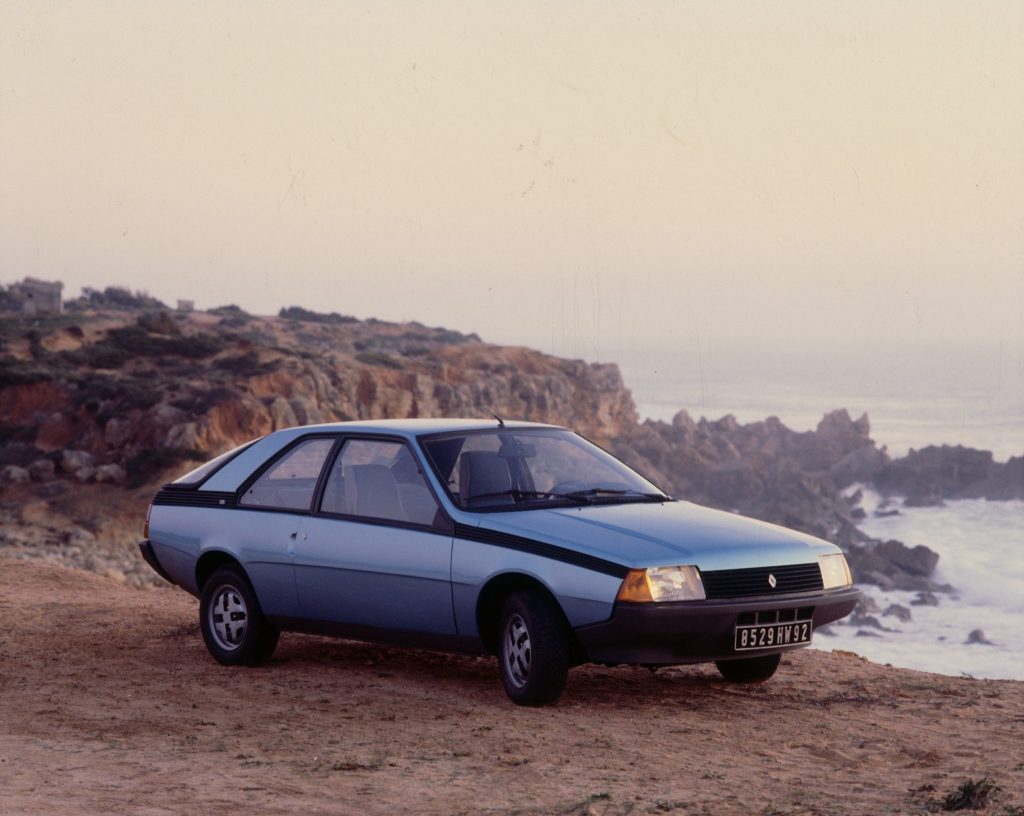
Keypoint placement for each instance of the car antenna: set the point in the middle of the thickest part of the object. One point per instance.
(446, 381)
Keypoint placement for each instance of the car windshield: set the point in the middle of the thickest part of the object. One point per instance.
(525, 469)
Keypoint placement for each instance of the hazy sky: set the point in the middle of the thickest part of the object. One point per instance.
(584, 178)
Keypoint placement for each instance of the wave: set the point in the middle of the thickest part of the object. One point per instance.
(980, 545)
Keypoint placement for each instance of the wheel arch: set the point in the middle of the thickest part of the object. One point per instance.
(491, 598)
(212, 560)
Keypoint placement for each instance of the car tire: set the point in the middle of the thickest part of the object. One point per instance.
(749, 669)
(533, 648)
(233, 626)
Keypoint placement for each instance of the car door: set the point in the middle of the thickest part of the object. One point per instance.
(271, 507)
(375, 558)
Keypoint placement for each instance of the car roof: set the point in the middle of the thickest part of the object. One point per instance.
(233, 473)
(414, 427)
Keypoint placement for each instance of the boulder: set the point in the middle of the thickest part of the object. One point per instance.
(184, 435)
(858, 618)
(78, 464)
(12, 474)
(876, 577)
(893, 565)
(52, 489)
(917, 560)
(42, 470)
(114, 474)
(72, 460)
(901, 613)
(117, 431)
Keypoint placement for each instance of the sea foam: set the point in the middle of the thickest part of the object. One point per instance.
(981, 554)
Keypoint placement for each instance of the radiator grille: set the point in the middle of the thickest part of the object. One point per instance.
(741, 583)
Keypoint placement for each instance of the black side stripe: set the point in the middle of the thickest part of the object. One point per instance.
(194, 498)
(529, 545)
(211, 498)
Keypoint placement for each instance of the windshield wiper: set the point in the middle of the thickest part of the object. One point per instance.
(527, 494)
(598, 492)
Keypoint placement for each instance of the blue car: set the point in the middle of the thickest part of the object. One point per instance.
(515, 539)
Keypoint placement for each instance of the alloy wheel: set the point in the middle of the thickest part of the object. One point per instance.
(228, 617)
(517, 650)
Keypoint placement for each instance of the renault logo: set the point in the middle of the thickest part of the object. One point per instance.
(771, 581)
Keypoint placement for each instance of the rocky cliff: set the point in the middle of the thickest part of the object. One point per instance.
(139, 394)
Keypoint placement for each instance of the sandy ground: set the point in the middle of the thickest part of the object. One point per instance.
(110, 704)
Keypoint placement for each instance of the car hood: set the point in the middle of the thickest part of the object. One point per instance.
(651, 534)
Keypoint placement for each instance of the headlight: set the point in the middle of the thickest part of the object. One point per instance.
(835, 572)
(662, 584)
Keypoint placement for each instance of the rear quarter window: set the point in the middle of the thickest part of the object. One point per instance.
(290, 482)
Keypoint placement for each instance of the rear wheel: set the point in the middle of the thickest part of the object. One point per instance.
(533, 648)
(749, 669)
(234, 629)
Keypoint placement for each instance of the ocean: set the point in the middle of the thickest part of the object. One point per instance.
(981, 554)
(914, 398)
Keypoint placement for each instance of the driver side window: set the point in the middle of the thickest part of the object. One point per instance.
(378, 479)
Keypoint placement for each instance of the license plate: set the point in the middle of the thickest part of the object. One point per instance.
(769, 636)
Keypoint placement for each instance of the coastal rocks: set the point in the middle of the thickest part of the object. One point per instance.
(836, 438)
(901, 613)
(978, 636)
(762, 469)
(935, 473)
(861, 465)
(1006, 481)
(862, 621)
(917, 560)
(893, 565)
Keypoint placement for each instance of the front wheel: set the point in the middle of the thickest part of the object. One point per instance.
(749, 669)
(533, 649)
(233, 626)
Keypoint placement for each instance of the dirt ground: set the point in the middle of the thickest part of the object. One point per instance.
(109, 704)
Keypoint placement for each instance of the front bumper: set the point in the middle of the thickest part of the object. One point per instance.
(699, 631)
